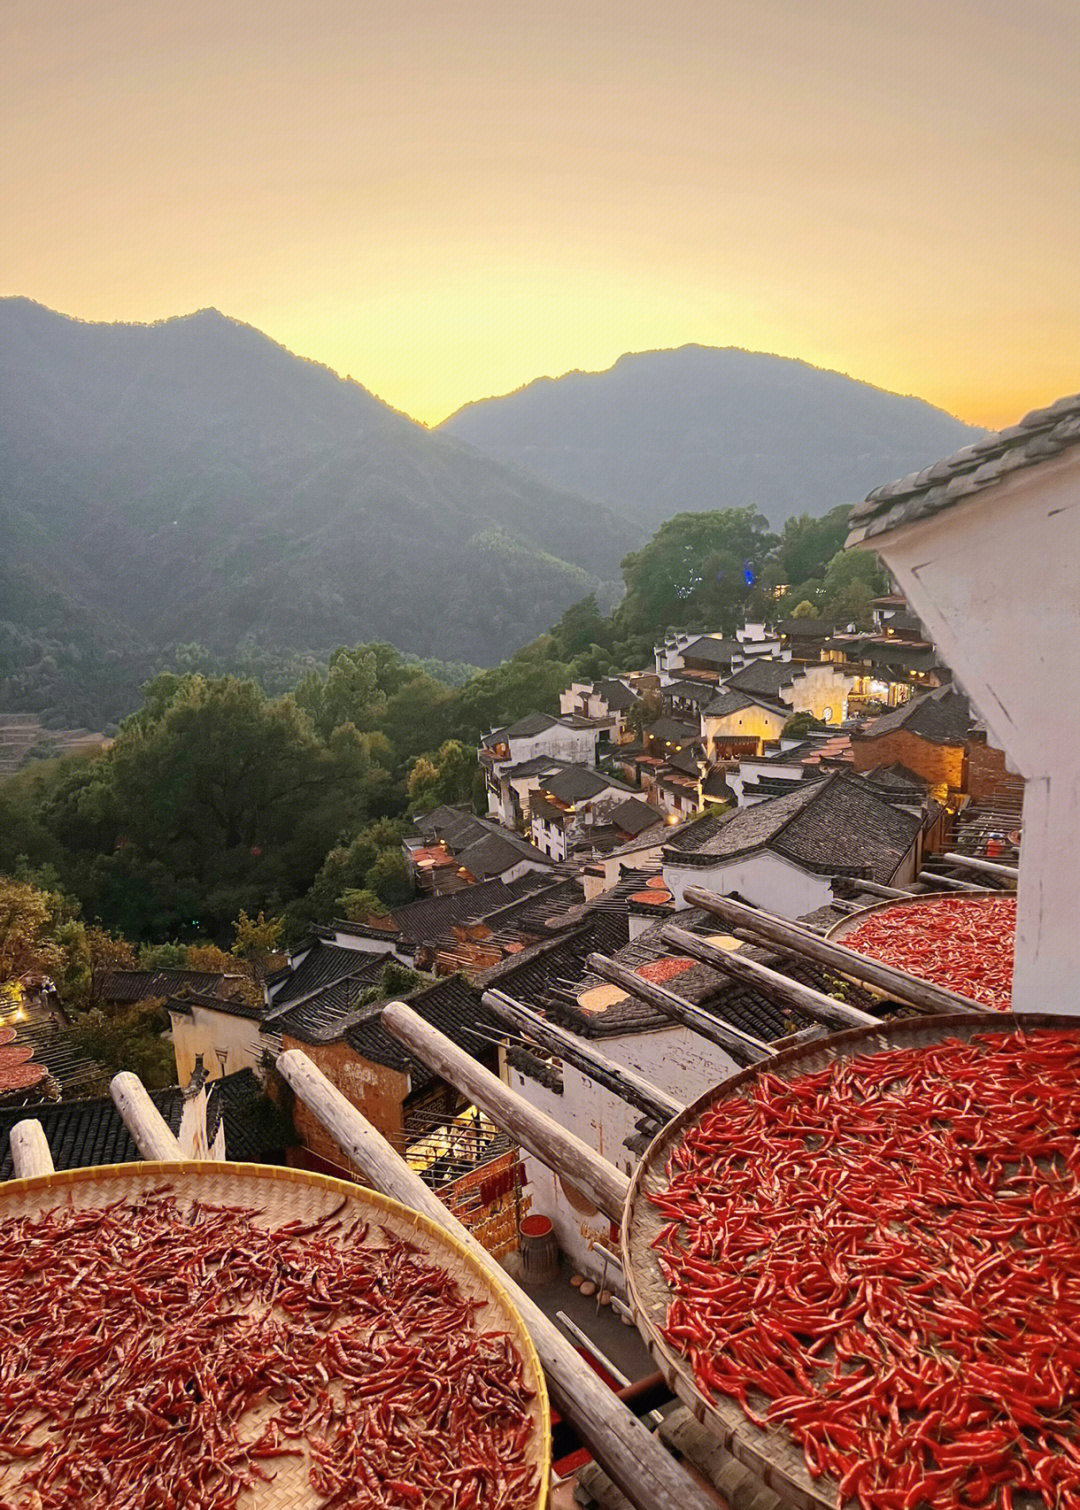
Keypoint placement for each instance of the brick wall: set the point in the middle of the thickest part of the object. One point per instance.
(373, 1089)
(934, 763)
(493, 1222)
(988, 780)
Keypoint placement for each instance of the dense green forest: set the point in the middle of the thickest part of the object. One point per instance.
(223, 795)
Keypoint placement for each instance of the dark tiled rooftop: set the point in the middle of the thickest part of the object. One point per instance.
(832, 825)
(323, 965)
(765, 678)
(147, 985)
(712, 652)
(942, 716)
(1040, 435)
(83, 1133)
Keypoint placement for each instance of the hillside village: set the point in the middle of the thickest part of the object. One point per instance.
(805, 767)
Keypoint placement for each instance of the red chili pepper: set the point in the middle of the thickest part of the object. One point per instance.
(137, 1340)
(886, 1257)
(963, 943)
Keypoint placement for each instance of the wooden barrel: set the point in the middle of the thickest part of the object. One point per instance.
(539, 1250)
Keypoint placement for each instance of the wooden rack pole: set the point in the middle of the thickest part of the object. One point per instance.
(790, 993)
(987, 867)
(743, 1048)
(934, 882)
(626, 1450)
(152, 1134)
(30, 1152)
(601, 1182)
(872, 888)
(623, 1082)
(895, 983)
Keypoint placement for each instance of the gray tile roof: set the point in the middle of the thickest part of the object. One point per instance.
(452, 1006)
(431, 918)
(536, 765)
(85, 1133)
(528, 726)
(577, 783)
(734, 702)
(324, 965)
(942, 716)
(229, 1006)
(634, 816)
(1040, 435)
(713, 652)
(765, 678)
(831, 826)
(496, 853)
(672, 731)
(618, 698)
(148, 985)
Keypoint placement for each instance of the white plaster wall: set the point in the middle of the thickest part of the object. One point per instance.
(577, 745)
(207, 1031)
(996, 581)
(673, 1059)
(765, 879)
(748, 723)
(821, 691)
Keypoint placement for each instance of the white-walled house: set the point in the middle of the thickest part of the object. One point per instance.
(740, 723)
(781, 854)
(224, 1034)
(819, 688)
(568, 803)
(564, 737)
(607, 702)
(985, 547)
(672, 1059)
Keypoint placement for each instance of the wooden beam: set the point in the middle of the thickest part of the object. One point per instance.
(153, 1136)
(560, 1150)
(872, 888)
(898, 984)
(935, 882)
(616, 1078)
(781, 988)
(30, 1152)
(986, 867)
(743, 1048)
(628, 1452)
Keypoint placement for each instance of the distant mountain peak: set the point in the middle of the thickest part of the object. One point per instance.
(191, 479)
(696, 427)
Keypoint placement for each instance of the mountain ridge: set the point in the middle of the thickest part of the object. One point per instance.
(693, 427)
(190, 479)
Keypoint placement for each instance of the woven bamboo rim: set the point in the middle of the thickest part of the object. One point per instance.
(771, 1453)
(284, 1194)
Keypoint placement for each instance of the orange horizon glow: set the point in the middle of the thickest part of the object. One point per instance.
(447, 201)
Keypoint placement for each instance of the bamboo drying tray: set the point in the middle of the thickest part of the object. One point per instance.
(283, 1195)
(771, 1453)
(839, 931)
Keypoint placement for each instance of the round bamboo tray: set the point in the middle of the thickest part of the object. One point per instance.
(770, 1453)
(839, 931)
(282, 1195)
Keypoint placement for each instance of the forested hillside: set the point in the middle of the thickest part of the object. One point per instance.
(192, 484)
(218, 798)
(668, 432)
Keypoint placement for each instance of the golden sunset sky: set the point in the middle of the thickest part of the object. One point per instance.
(448, 198)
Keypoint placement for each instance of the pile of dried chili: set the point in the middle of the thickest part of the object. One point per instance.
(883, 1259)
(160, 1356)
(962, 943)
